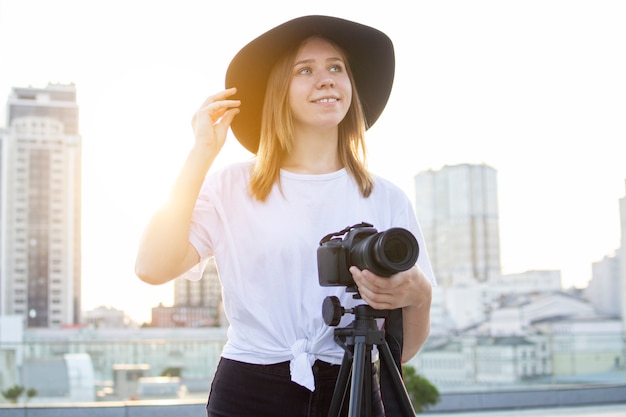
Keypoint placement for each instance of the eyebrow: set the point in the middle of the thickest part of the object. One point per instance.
(308, 61)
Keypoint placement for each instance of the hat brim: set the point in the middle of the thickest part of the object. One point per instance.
(370, 54)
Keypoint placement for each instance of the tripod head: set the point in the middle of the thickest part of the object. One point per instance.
(332, 311)
(363, 327)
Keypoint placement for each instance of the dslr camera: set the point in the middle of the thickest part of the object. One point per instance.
(383, 253)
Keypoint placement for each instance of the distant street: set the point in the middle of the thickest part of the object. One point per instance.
(611, 410)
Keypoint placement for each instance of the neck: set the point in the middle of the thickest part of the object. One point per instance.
(314, 153)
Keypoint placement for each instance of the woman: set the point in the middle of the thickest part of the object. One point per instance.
(300, 97)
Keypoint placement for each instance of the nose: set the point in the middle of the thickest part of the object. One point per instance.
(325, 81)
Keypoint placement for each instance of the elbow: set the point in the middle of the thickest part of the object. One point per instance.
(148, 274)
(156, 268)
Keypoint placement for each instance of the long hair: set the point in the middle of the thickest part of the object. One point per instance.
(277, 137)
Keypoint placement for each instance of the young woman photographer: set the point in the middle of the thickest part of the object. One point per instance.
(300, 97)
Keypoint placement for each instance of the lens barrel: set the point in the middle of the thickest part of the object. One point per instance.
(386, 253)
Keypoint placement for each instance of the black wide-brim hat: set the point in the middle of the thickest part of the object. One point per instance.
(369, 52)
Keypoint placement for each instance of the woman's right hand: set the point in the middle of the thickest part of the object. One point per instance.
(212, 120)
(164, 251)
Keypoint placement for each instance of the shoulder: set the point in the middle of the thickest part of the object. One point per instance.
(227, 179)
(234, 169)
(383, 188)
(237, 171)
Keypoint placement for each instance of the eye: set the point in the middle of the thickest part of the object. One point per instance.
(304, 71)
(336, 68)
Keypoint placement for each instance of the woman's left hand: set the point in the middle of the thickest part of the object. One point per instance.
(409, 288)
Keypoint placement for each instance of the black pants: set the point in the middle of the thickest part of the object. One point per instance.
(245, 390)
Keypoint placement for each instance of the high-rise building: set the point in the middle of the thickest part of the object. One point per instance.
(205, 292)
(604, 291)
(196, 303)
(457, 207)
(622, 259)
(40, 200)
(458, 210)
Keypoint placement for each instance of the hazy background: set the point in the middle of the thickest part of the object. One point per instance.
(535, 89)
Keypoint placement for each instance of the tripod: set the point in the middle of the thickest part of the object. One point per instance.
(357, 341)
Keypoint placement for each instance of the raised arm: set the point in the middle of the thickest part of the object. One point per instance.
(164, 250)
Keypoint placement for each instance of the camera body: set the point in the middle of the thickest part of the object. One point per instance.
(383, 253)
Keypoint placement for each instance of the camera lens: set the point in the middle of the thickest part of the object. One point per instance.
(386, 253)
(395, 250)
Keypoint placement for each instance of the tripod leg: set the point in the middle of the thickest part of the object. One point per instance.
(396, 379)
(358, 368)
(367, 382)
(341, 387)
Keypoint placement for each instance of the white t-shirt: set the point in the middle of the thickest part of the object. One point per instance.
(266, 255)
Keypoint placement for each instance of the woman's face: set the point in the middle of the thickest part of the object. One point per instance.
(320, 91)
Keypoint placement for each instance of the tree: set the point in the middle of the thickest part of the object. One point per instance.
(30, 393)
(421, 392)
(172, 372)
(13, 393)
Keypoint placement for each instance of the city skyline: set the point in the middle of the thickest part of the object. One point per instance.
(534, 90)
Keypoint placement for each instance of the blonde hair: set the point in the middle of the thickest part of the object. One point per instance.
(276, 139)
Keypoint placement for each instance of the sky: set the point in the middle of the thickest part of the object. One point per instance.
(535, 89)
